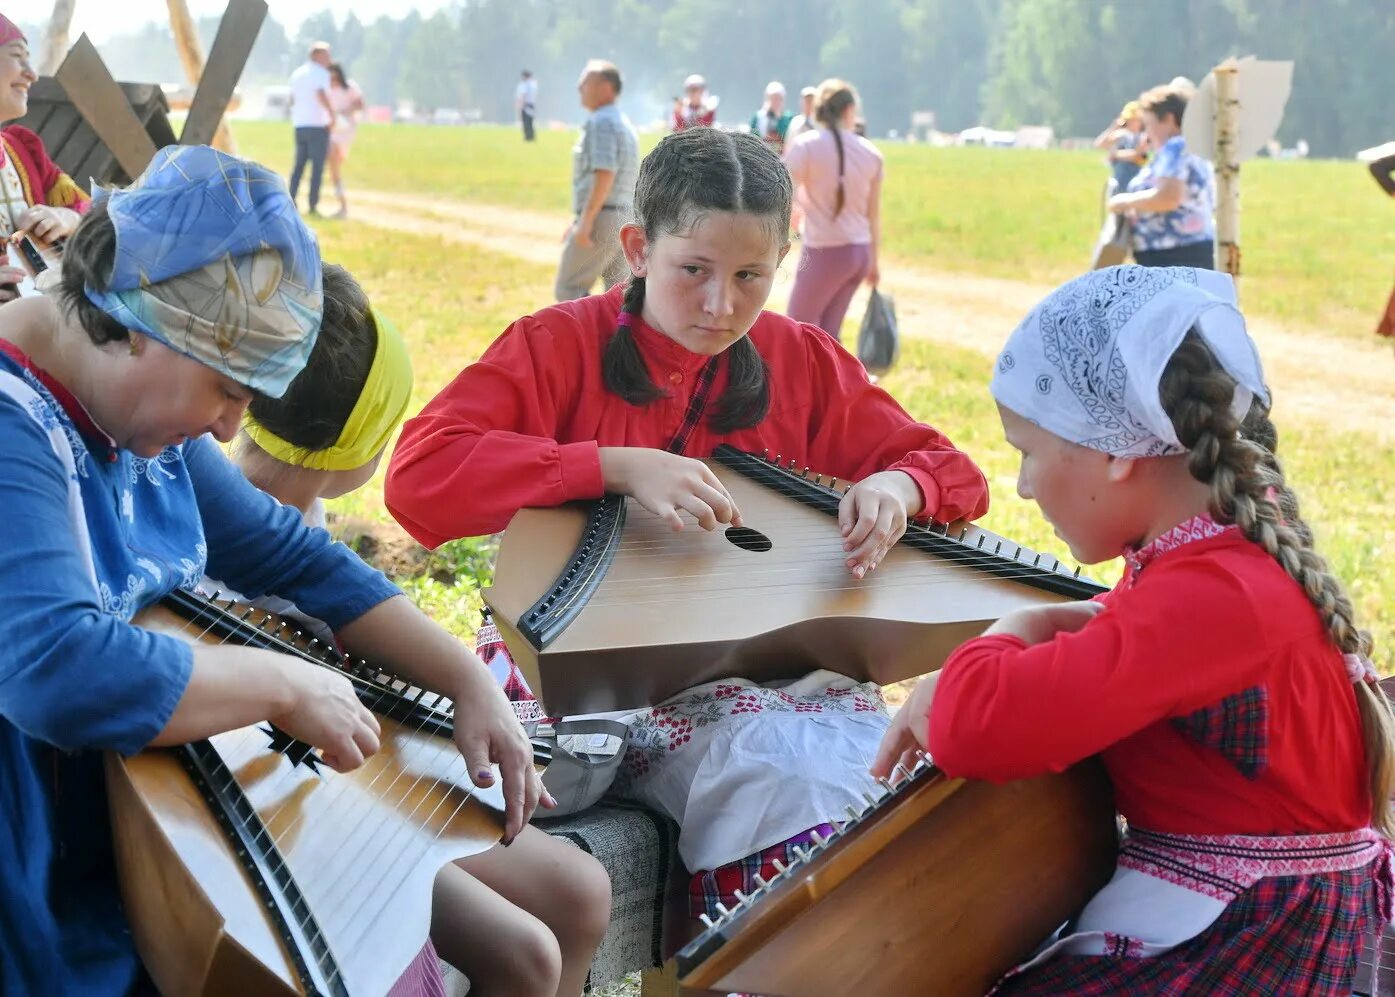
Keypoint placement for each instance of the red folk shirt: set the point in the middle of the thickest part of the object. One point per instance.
(523, 426)
(1208, 685)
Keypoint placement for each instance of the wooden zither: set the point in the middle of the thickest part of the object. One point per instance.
(247, 867)
(605, 607)
(938, 887)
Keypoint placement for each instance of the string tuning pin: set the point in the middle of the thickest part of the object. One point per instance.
(780, 867)
(818, 839)
(886, 784)
(1018, 555)
(963, 533)
(832, 482)
(793, 463)
(707, 922)
(779, 459)
(722, 909)
(1058, 564)
(761, 881)
(999, 548)
(804, 854)
(1036, 560)
(871, 800)
(904, 772)
(765, 454)
(853, 815)
(981, 538)
(1077, 571)
(922, 758)
(250, 611)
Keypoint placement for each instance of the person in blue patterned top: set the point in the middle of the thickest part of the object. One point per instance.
(178, 300)
(1172, 200)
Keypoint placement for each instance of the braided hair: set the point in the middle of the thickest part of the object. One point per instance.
(834, 98)
(1248, 489)
(687, 173)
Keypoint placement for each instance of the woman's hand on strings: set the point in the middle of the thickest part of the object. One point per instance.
(324, 711)
(873, 516)
(909, 732)
(667, 484)
(1038, 624)
(488, 733)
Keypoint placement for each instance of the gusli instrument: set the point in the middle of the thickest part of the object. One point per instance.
(604, 607)
(247, 867)
(939, 886)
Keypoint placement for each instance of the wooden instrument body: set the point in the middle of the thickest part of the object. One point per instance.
(363, 847)
(937, 889)
(674, 610)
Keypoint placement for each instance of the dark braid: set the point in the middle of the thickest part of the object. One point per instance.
(1249, 490)
(625, 373)
(834, 98)
(686, 174)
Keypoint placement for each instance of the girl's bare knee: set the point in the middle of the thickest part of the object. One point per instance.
(586, 896)
(537, 962)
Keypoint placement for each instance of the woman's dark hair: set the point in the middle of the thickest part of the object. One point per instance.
(1164, 100)
(313, 411)
(337, 75)
(834, 98)
(687, 174)
(1248, 489)
(89, 256)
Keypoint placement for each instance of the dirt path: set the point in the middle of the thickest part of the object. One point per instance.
(1346, 384)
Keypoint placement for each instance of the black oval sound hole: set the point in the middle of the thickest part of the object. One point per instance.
(749, 539)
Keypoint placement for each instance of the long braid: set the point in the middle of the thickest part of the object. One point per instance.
(834, 98)
(621, 365)
(1248, 489)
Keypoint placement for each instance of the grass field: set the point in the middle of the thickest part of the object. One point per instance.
(1318, 237)
(1001, 213)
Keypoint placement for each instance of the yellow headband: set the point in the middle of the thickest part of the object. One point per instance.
(379, 410)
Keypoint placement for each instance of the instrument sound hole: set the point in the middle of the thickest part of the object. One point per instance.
(749, 539)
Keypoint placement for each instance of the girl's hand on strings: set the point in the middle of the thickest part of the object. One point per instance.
(1038, 624)
(909, 732)
(873, 516)
(48, 224)
(324, 711)
(667, 483)
(488, 733)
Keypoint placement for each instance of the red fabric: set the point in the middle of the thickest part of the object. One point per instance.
(1386, 327)
(1204, 622)
(523, 426)
(40, 173)
(686, 118)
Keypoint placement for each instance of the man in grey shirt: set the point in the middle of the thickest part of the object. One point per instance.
(605, 162)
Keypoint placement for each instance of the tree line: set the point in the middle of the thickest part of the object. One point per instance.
(1069, 64)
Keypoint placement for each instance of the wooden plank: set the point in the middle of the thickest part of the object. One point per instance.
(92, 90)
(237, 32)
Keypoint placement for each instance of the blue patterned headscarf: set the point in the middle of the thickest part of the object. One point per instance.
(213, 261)
(1086, 363)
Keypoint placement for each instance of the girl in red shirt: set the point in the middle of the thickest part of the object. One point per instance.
(1223, 681)
(623, 393)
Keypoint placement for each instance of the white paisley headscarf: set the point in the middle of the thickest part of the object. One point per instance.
(1086, 363)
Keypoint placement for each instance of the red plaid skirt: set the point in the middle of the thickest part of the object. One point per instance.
(719, 885)
(1284, 935)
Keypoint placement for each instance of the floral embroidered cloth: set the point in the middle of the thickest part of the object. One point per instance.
(742, 766)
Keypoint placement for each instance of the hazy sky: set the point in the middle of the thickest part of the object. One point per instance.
(103, 19)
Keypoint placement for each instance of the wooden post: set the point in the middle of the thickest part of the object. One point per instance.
(1227, 162)
(186, 39)
(56, 37)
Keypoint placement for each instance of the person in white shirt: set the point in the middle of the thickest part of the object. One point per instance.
(525, 99)
(804, 120)
(312, 115)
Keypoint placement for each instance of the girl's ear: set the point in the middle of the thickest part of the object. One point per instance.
(635, 246)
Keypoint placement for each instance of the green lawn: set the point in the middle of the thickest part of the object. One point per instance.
(1347, 481)
(1318, 237)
